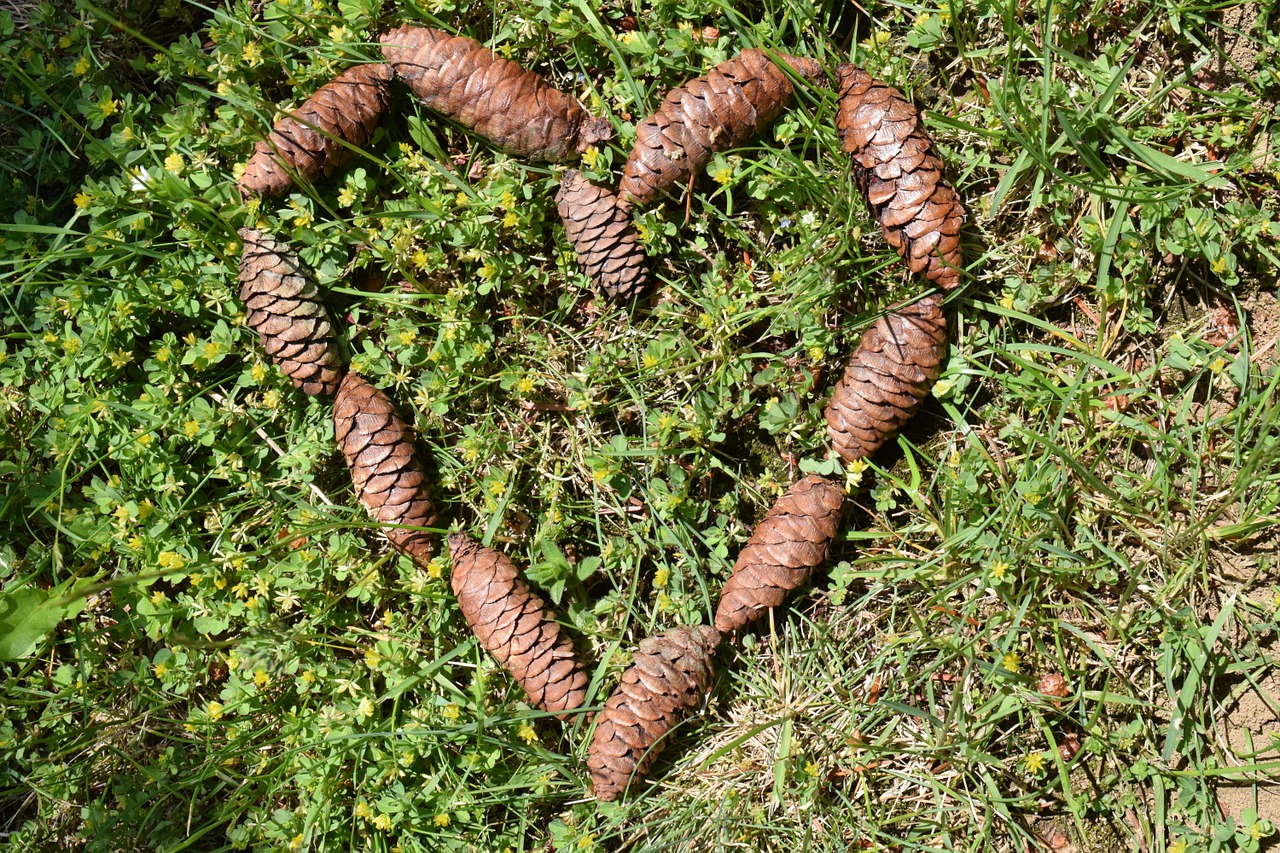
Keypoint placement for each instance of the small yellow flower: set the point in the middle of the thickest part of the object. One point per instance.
(81, 69)
(191, 428)
(158, 598)
(998, 570)
(261, 678)
(661, 578)
(1006, 302)
(1033, 762)
(442, 819)
(365, 711)
(723, 175)
(83, 200)
(527, 733)
(215, 711)
(372, 658)
(160, 670)
(382, 822)
(649, 361)
(258, 372)
(1012, 662)
(591, 157)
(511, 219)
(252, 53)
(171, 560)
(878, 40)
(435, 568)
(363, 811)
(346, 196)
(174, 163)
(451, 712)
(526, 385)
(295, 843)
(109, 106)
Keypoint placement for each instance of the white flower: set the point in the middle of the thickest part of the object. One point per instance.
(141, 180)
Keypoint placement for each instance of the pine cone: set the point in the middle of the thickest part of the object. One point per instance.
(668, 680)
(388, 476)
(512, 107)
(283, 306)
(891, 372)
(309, 142)
(898, 171)
(721, 110)
(785, 547)
(516, 627)
(602, 234)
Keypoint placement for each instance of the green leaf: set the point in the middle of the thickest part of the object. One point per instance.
(27, 614)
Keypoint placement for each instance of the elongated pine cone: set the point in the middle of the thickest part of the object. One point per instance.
(283, 306)
(896, 363)
(309, 142)
(900, 174)
(668, 680)
(721, 110)
(513, 107)
(603, 236)
(516, 627)
(385, 469)
(786, 546)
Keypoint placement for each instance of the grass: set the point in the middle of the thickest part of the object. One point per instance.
(1049, 621)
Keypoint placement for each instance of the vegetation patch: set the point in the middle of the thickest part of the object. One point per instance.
(1050, 612)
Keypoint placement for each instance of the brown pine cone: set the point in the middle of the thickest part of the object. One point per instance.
(721, 110)
(603, 236)
(385, 469)
(785, 547)
(283, 306)
(667, 681)
(309, 142)
(510, 106)
(516, 627)
(890, 374)
(898, 171)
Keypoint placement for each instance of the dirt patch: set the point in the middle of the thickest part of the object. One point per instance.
(1264, 328)
(1249, 730)
(1238, 60)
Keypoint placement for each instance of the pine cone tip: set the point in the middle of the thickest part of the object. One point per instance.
(594, 131)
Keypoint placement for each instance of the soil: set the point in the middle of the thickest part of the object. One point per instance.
(1250, 726)
(1264, 328)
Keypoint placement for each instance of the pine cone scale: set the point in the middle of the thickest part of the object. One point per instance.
(514, 108)
(667, 681)
(389, 485)
(310, 140)
(283, 306)
(890, 374)
(901, 176)
(788, 543)
(515, 626)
